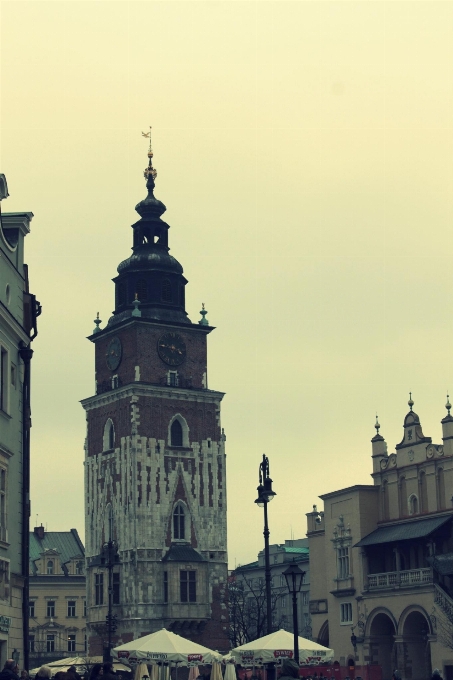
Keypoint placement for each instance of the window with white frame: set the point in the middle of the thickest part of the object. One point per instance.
(346, 612)
(49, 567)
(343, 562)
(71, 610)
(31, 609)
(50, 646)
(4, 580)
(50, 609)
(3, 530)
(172, 378)
(4, 379)
(71, 643)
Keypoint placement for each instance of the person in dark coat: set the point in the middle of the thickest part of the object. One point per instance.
(10, 671)
(96, 671)
(290, 669)
(44, 673)
(108, 672)
(436, 675)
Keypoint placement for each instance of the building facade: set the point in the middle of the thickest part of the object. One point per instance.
(155, 482)
(382, 591)
(57, 600)
(247, 599)
(18, 312)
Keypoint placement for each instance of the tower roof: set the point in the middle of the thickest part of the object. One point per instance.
(150, 275)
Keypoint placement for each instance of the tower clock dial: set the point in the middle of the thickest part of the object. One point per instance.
(171, 349)
(114, 353)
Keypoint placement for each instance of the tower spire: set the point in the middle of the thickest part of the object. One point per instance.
(150, 171)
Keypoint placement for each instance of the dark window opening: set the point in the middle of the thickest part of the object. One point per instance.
(179, 523)
(181, 296)
(50, 610)
(121, 293)
(167, 295)
(71, 608)
(176, 433)
(116, 587)
(50, 646)
(188, 586)
(165, 586)
(141, 289)
(111, 436)
(99, 588)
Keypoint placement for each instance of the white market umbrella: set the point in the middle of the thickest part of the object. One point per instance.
(165, 647)
(230, 672)
(194, 673)
(280, 645)
(79, 662)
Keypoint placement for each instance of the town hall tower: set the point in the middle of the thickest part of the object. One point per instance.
(155, 483)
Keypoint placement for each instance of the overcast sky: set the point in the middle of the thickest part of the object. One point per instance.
(304, 152)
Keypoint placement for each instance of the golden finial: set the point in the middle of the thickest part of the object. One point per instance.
(149, 170)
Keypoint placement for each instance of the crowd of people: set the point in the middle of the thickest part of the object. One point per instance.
(99, 671)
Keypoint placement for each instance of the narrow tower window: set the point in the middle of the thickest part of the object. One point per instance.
(179, 532)
(109, 436)
(141, 288)
(176, 433)
(166, 291)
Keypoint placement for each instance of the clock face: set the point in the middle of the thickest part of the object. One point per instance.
(114, 353)
(171, 349)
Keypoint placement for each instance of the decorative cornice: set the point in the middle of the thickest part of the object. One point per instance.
(146, 390)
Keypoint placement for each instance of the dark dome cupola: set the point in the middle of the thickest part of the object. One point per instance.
(150, 274)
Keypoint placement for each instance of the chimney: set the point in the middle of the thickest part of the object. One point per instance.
(39, 531)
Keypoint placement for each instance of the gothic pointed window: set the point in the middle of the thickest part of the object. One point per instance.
(167, 295)
(109, 436)
(179, 523)
(176, 433)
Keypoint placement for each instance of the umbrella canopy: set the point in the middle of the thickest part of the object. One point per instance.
(165, 647)
(280, 645)
(230, 672)
(80, 662)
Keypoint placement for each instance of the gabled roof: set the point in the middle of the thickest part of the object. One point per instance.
(182, 553)
(66, 543)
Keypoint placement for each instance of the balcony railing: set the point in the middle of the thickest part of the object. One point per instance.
(400, 579)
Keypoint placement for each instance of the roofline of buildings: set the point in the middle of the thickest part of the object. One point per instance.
(357, 487)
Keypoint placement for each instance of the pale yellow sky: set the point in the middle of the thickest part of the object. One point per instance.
(304, 152)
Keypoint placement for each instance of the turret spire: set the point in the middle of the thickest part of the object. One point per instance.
(448, 405)
(377, 426)
(149, 171)
(410, 403)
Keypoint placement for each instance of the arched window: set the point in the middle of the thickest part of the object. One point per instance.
(385, 500)
(179, 523)
(176, 433)
(402, 496)
(413, 504)
(167, 295)
(423, 493)
(50, 567)
(441, 489)
(109, 436)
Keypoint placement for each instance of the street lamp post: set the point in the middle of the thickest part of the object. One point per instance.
(265, 495)
(294, 578)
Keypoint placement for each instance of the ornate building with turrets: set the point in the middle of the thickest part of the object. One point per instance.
(155, 480)
(382, 590)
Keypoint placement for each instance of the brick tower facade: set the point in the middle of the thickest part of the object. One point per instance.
(155, 482)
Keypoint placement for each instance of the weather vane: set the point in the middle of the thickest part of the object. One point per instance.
(149, 170)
